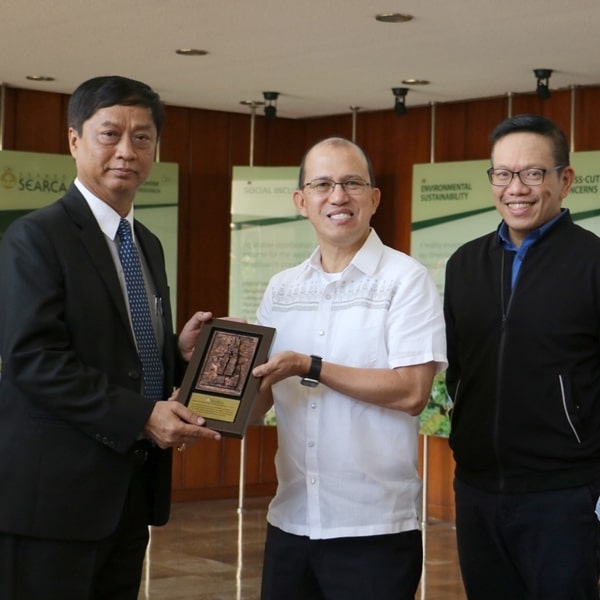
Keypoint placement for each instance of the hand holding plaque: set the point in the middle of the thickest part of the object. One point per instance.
(218, 384)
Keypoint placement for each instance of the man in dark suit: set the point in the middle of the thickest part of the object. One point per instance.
(85, 453)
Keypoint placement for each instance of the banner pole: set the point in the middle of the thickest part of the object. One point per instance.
(2, 113)
(354, 110)
(242, 481)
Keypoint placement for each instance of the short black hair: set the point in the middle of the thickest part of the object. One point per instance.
(533, 123)
(336, 141)
(112, 90)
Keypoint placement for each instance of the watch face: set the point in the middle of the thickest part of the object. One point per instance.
(309, 382)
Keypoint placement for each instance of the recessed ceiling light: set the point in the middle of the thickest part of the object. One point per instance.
(415, 82)
(191, 52)
(39, 78)
(393, 17)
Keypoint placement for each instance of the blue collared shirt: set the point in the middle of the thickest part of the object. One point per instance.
(521, 251)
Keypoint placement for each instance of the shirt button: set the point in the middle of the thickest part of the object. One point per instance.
(313, 480)
(311, 444)
(321, 332)
(313, 405)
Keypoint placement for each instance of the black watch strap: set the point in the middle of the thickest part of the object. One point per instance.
(313, 377)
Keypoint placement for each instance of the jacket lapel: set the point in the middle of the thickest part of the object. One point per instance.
(94, 244)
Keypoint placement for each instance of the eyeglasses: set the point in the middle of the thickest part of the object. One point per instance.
(527, 176)
(325, 187)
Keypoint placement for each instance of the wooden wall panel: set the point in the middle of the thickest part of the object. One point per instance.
(38, 122)
(259, 473)
(277, 143)
(482, 116)
(200, 474)
(10, 118)
(208, 218)
(231, 459)
(212, 469)
(268, 451)
(207, 144)
(175, 147)
(449, 135)
(557, 107)
(463, 128)
(285, 143)
(587, 119)
(394, 144)
(319, 128)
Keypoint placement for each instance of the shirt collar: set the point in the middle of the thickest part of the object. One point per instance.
(365, 260)
(108, 218)
(532, 236)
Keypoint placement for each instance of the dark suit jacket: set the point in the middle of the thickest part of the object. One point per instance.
(70, 407)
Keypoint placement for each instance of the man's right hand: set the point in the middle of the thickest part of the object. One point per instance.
(171, 424)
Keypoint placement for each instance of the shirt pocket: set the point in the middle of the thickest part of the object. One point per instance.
(358, 347)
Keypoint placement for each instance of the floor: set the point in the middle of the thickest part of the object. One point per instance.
(211, 551)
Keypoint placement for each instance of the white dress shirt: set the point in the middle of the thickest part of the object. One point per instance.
(108, 221)
(345, 467)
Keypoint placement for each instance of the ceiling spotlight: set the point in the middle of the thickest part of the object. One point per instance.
(542, 90)
(413, 81)
(270, 104)
(400, 103)
(393, 18)
(39, 78)
(191, 52)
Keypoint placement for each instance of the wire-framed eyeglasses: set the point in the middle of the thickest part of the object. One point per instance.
(325, 187)
(531, 176)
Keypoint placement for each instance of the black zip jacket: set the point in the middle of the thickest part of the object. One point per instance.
(524, 364)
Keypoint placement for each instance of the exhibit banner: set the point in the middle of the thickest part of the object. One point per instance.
(268, 234)
(30, 180)
(452, 203)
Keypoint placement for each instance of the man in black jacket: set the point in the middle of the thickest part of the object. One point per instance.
(85, 445)
(522, 308)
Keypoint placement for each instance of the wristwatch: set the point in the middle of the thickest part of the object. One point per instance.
(314, 373)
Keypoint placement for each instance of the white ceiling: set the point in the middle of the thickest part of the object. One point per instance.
(322, 56)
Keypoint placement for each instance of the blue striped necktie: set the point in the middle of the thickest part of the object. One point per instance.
(140, 313)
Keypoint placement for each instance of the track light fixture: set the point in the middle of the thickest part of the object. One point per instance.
(400, 102)
(270, 104)
(542, 90)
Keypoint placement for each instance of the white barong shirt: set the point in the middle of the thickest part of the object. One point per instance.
(347, 468)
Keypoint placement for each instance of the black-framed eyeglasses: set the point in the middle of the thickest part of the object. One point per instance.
(325, 187)
(531, 176)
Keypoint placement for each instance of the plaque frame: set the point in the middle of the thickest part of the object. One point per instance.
(218, 384)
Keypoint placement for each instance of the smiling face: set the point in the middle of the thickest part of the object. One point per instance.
(114, 153)
(341, 220)
(525, 208)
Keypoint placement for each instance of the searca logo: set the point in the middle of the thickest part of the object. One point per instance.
(8, 179)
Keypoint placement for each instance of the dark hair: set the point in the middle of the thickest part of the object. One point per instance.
(111, 90)
(336, 141)
(535, 124)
